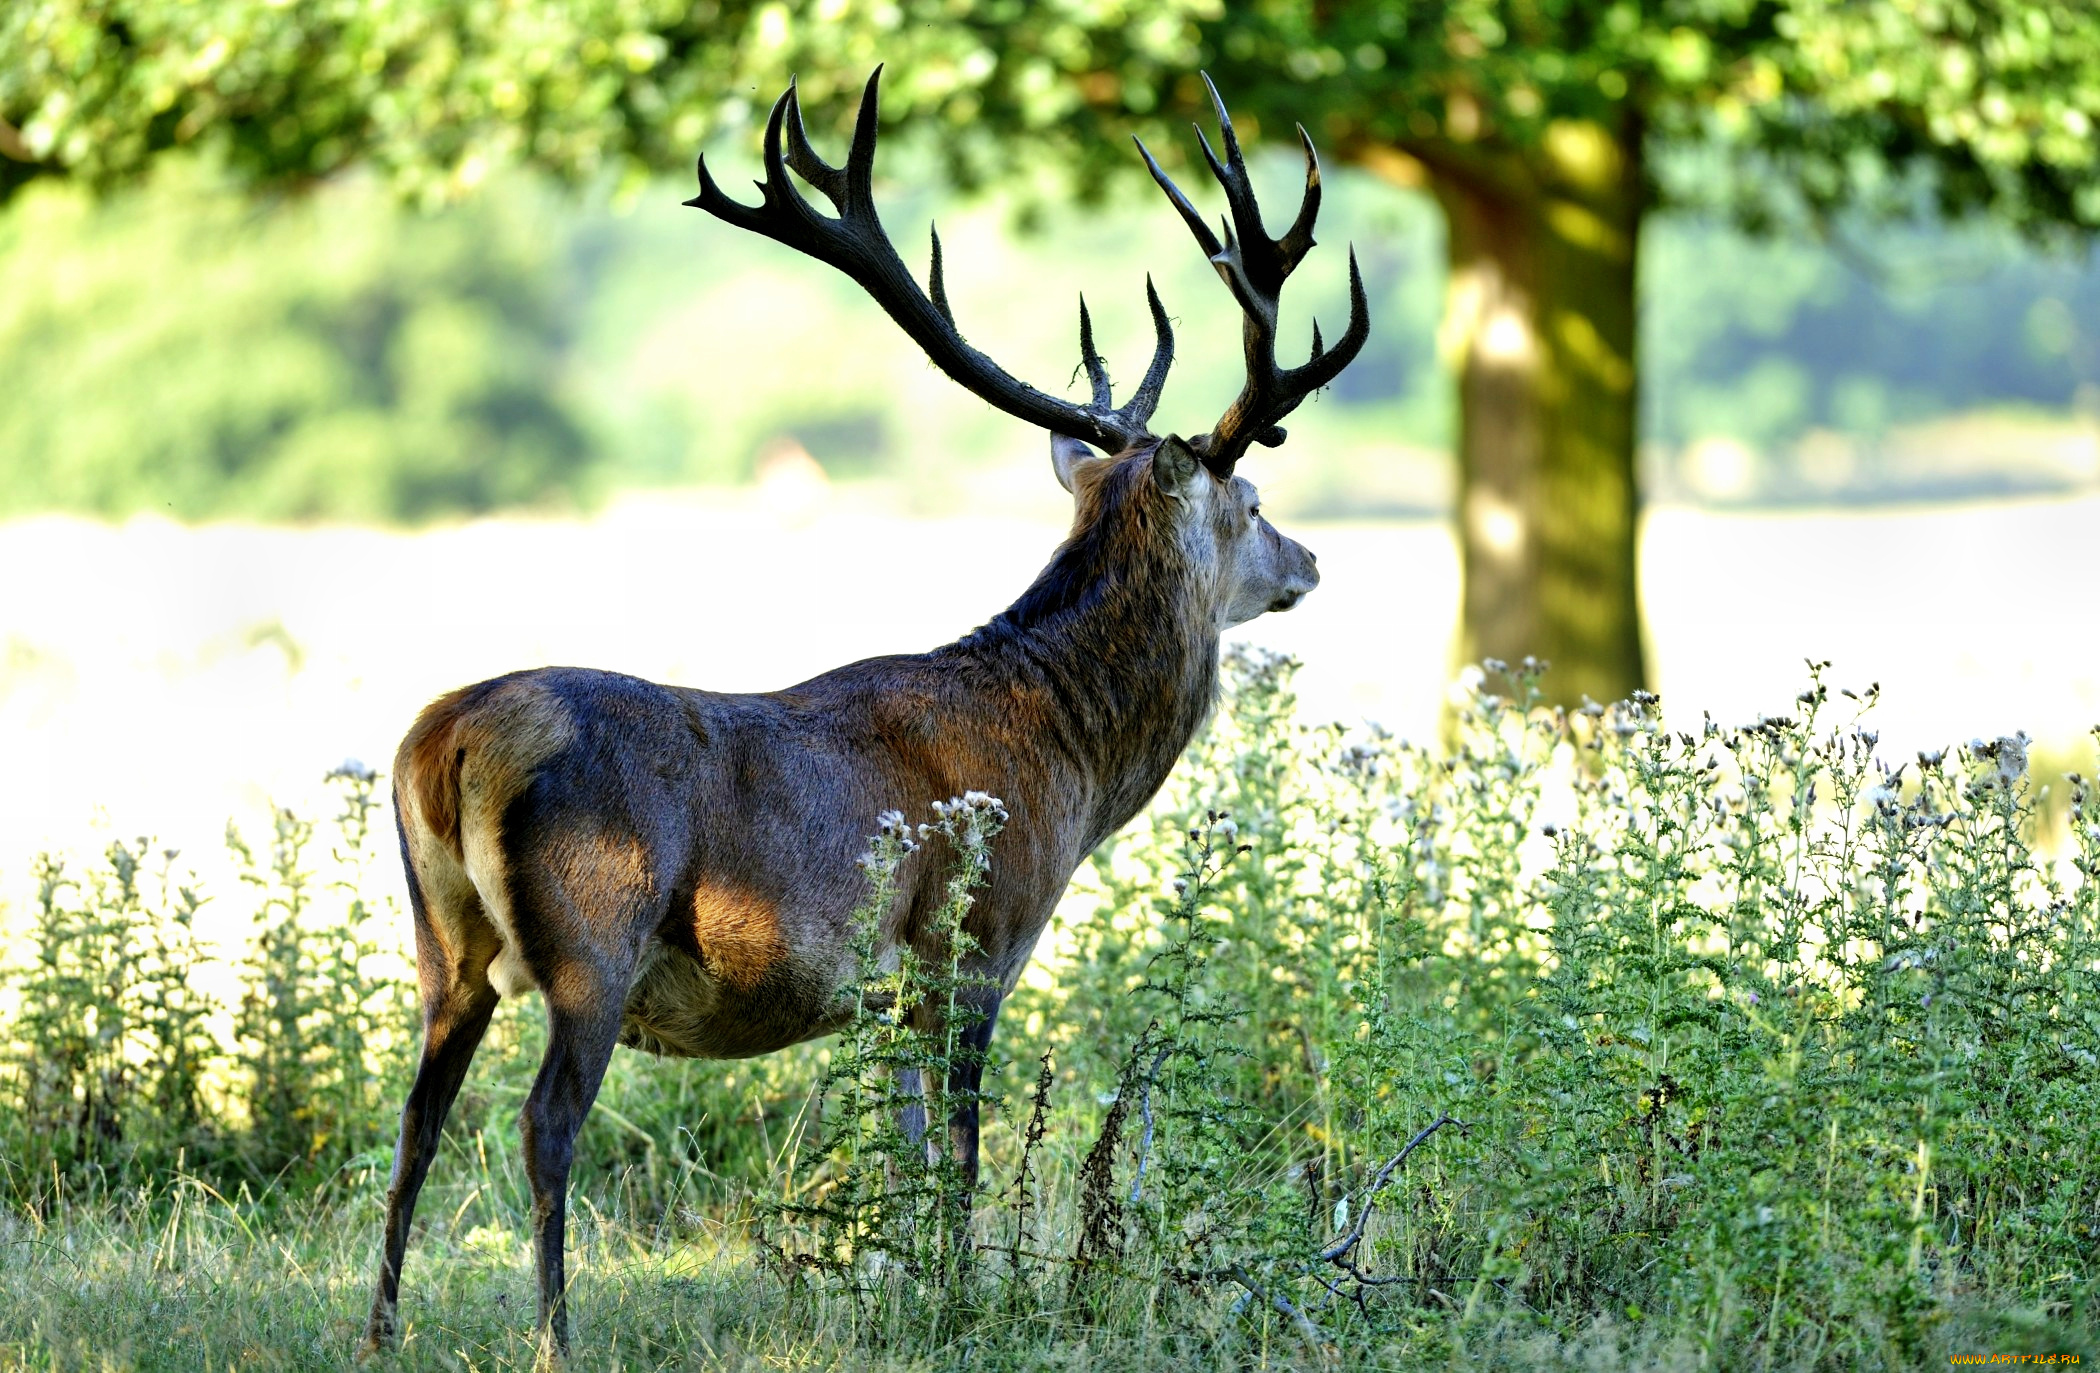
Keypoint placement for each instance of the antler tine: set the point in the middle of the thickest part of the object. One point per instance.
(804, 158)
(1145, 399)
(1297, 240)
(860, 157)
(1265, 271)
(1136, 412)
(1252, 417)
(713, 200)
(1254, 267)
(855, 243)
(1205, 239)
(1090, 358)
(777, 192)
(1324, 366)
(936, 284)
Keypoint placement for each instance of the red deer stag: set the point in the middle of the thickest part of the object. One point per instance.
(674, 869)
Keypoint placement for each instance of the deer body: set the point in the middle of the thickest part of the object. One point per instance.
(676, 870)
(735, 820)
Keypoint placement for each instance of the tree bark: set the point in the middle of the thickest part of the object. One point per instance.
(1541, 326)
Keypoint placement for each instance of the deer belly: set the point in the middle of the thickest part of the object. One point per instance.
(679, 1007)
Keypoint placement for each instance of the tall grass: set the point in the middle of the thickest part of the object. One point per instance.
(1588, 1039)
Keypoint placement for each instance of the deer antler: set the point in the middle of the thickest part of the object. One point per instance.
(854, 242)
(1254, 267)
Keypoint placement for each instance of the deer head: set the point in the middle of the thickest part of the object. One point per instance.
(1242, 565)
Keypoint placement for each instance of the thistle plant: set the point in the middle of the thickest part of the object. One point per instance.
(893, 1224)
(317, 1020)
(109, 1049)
(1582, 1036)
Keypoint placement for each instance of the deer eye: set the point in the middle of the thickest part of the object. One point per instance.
(1255, 513)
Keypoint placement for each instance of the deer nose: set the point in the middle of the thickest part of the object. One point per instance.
(1300, 580)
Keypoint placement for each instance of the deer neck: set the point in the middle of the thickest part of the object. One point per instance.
(1119, 639)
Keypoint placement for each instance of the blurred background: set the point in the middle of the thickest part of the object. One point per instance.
(355, 352)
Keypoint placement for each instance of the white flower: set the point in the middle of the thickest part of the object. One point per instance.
(2007, 755)
(2012, 758)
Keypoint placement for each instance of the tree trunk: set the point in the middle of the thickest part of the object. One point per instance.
(1541, 324)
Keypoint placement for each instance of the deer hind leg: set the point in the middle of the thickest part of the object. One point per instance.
(581, 1032)
(454, 945)
(590, 905)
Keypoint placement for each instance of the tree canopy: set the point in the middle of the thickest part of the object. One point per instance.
(1546, 129)
(1831, 103)
(1999, 98)
(435, 92)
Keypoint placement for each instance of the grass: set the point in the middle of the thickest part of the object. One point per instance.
(1585, 1041)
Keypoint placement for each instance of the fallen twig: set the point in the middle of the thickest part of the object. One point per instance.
(1336, 1252)
(1306, 1329)
(1137, 1183)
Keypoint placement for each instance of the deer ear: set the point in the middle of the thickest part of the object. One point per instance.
(1174, 465)
(1066, 455)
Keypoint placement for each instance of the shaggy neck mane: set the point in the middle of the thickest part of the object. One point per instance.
(1120, 569)
(1119, 633)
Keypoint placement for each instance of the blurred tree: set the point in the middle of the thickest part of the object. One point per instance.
(166, 353)
(1539, 125)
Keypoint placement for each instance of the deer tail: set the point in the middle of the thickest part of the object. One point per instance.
(427, 768)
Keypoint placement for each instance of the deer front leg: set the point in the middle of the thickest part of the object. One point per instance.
(965, 1078)
(911, 1110)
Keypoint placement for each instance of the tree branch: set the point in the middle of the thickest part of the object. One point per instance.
(1336, 1252)
(1309, 1332)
